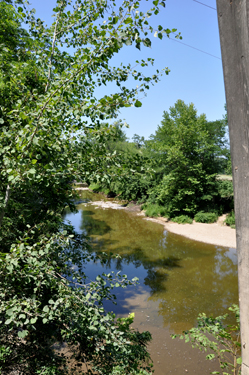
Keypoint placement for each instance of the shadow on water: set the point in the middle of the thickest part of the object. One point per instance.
(179, 278)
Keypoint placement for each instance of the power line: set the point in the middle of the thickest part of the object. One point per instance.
(197, 49)
(205, 5)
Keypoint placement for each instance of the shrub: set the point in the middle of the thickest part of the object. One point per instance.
(206, 217)
(154, 210)
(225, 188)
(230, 220)
(132, 186)
(62, 311)
(225, 198)
(182, 219)
(221, 339)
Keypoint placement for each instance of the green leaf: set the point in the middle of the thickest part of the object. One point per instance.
(239, 361)
(210, 356)
(147, 42)
(138, 103)
(88, 296)
(34, 161)
(23, 334)
(10, 312)
(128, 42)
(115, 20)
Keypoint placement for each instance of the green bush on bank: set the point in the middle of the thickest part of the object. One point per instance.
(222, 340)
(230, 220)
(182, 219)
(154, 210)
(206, 217)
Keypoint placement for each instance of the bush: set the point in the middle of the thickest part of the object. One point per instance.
(132, 187)
(39, 307)
(154, 210)
(222, 340)
(206, 217)
(182, 219)
(225, 195)
(225, 188)
(230, 220)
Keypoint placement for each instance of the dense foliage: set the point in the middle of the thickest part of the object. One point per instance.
(188, 149)
(176, 172)
(48, 106)
(127, 172)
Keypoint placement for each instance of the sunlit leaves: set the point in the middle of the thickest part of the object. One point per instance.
(49, 104)
(213, 334)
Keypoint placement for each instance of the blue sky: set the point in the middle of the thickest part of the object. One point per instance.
(194, 76)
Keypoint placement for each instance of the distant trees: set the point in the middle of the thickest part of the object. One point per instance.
(139, 141)
(176, 168)
(190, 151)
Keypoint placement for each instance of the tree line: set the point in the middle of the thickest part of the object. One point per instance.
(178, 172)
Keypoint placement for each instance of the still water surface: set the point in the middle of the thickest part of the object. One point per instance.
(178, 279)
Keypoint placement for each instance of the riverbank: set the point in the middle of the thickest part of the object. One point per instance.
(215, 234)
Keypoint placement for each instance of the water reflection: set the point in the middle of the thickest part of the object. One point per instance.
(179, 278)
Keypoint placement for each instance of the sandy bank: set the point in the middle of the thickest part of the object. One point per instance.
(215, 234)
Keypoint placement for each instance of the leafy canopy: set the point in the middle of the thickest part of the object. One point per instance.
(187, 148)
(48, 102)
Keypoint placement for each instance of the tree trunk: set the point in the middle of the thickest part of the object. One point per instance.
(233, 17)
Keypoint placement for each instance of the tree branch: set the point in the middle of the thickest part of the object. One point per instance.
(52, 54)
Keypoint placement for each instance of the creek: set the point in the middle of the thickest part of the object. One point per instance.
(178, 279)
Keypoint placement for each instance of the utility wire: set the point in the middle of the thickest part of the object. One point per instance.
(197, 49)
(205, 5)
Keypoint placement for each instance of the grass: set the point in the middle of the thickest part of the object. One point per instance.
(95, 187)
(206, 217)
(182, 219)
(154, 210)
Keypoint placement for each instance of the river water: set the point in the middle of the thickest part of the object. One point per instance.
(178, 279)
